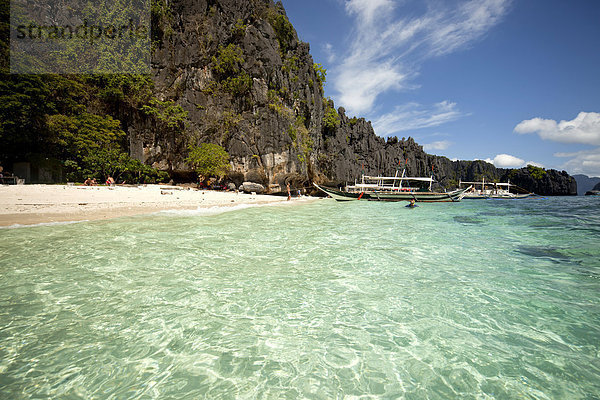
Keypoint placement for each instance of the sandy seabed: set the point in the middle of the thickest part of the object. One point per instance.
(34, 204)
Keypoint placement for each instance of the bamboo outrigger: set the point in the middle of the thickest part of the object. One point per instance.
(392, 188)
(492, 190)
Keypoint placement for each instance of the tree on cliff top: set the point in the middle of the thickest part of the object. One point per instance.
(536, 172)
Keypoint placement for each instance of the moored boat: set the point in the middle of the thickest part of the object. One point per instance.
(492, 190)
(392, 188)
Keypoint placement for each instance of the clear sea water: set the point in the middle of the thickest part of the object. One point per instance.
(487, 299)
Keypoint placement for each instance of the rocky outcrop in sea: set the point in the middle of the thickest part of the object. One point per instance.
(594, 192)
(548, 183)
(585, 183)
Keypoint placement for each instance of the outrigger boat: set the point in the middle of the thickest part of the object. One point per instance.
(491, 190)
(392, 188)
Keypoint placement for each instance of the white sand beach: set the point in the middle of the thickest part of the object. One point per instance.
(34, 204)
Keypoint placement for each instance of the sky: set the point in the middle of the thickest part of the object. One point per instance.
(512, 82)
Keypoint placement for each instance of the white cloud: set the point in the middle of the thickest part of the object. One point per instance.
(413, 116)
(359, 88)
(386, 50)
(438, 145)
(366, 9)
(506, 161)
(470, 21)
(535, 164)
(330, 53)
(585, 128)
(585, 162)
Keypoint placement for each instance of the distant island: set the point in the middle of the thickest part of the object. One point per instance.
(230, 74)
(585, 183)
(595, 191)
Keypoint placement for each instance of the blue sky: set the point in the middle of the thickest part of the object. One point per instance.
(510, 82)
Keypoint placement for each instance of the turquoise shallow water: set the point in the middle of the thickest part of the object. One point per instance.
(478, 299)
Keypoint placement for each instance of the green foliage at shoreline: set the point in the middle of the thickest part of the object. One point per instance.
(83, 134)
(114, 163)
(75, 120)
(208, 160)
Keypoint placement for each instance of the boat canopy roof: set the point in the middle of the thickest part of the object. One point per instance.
(488, 183)
(397, 178)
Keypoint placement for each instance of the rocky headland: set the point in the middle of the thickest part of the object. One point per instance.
(249, 84)
(232, 73)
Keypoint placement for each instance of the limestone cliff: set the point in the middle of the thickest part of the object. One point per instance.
(249, 84)
(545, 183)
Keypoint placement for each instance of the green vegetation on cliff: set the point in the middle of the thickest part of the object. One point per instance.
(232, 73)
(283, 30)
(321, 73)
(536, 172)
(75, 121)
(331, 119)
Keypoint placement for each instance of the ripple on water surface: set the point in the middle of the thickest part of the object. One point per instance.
(486, 299)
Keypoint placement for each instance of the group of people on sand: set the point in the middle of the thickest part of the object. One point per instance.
(289, 191)
(110, 181)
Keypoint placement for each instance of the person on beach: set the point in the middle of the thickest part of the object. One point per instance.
(289, 192)
(88, 182)
(110, 181)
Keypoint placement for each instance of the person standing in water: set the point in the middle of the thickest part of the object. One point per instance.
(288, 190)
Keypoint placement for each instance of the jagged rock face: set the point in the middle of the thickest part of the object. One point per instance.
(258, 124)
(552, 183)
(597, 187)
(273, 123)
